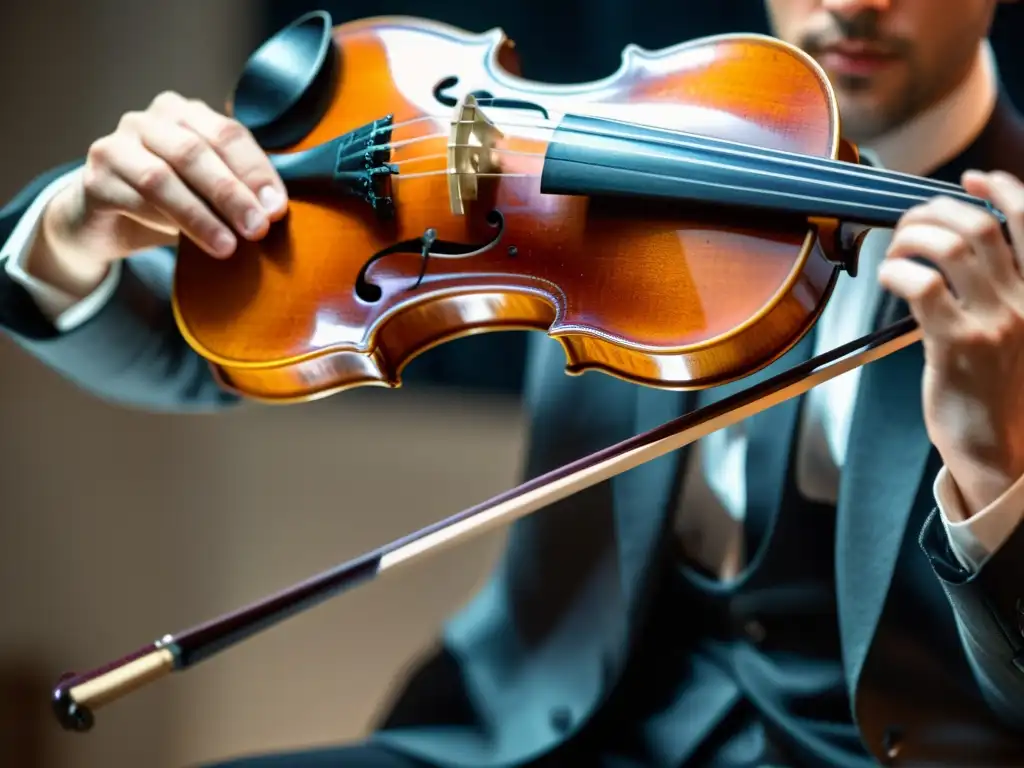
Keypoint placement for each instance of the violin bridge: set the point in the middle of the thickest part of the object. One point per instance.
(471, 145)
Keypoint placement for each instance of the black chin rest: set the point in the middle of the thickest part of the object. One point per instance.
(288, 83)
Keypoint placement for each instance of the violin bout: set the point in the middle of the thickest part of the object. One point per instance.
(435, 193)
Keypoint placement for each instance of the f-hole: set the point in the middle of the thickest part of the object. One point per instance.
(483, 98)
(443, 85)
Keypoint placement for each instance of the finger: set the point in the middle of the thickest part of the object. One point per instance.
(158, 184)
(990, 252)
(1006, 193)
(239, 150)
(206, 173)
(925, 292)
(118, 195)
(105, 191)
(950, 253)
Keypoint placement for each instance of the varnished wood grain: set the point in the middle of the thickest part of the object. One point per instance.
(650, 293)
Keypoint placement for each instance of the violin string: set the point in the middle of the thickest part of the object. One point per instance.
(444, 156)
(785, 195)
(693, 141)
(672, 138)
(909, 199)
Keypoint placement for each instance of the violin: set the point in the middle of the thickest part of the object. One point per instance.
(679, 224)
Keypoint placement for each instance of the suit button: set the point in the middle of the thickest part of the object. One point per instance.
(892, 742)
(755, 630)
(561, 719)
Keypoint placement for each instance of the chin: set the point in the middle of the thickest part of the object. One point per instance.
(863, 118)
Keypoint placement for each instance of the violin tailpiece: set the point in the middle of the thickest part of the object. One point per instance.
(355, 164)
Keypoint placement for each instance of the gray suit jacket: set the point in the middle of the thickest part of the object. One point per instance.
(541, 646)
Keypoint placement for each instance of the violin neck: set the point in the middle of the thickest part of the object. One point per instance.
(595, 156)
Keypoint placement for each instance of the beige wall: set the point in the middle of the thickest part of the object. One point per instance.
(116, 527)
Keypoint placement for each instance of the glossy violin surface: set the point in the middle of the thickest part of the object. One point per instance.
(667, 224)
(446, 151)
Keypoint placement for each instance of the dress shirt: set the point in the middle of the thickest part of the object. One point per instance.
(711, 529)
(710, 518)
(64, 311)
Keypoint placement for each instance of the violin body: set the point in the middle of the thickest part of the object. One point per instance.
(447, 241)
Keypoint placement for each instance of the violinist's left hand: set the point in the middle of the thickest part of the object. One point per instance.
(973, 388)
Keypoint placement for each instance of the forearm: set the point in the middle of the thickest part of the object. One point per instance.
(54, 259)
(130, 351)
(111, 333)
(982, 582)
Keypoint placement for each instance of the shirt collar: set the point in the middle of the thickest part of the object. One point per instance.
(934, 137)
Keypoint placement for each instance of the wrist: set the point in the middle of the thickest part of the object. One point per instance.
(60, 255)
(980, 483)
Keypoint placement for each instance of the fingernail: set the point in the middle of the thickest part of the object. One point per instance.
(224, 244)
(271, 199)
(254, 221)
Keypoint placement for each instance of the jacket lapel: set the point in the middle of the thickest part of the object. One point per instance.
(887, 456)
(888, 451)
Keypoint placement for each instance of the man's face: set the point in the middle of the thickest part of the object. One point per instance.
(887, 59)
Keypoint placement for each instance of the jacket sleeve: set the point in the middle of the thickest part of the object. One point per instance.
(130, 352)
(989, 606)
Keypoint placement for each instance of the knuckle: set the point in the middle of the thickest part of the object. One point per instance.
(939, 255)
(196, 219)
(98, 153)
(994, 333)
(167, 100)
(956, 248)
(984, 228)
(1002, 177)
(92, 182)
(130, 121)
(927, 291)
(1014, 210)
(187, 149)
(225, 192)
(257, 175)
(975, 336)
(229, 132)
(153, 178)
(1006, 329)
(912, 216)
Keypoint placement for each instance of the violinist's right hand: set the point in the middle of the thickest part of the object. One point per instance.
(178, 167)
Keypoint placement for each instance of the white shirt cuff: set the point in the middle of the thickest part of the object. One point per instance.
(64, 311)
(974, 539)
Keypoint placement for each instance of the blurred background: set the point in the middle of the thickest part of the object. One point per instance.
(117, 527)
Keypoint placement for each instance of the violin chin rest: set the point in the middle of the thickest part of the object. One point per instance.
(287, 83)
